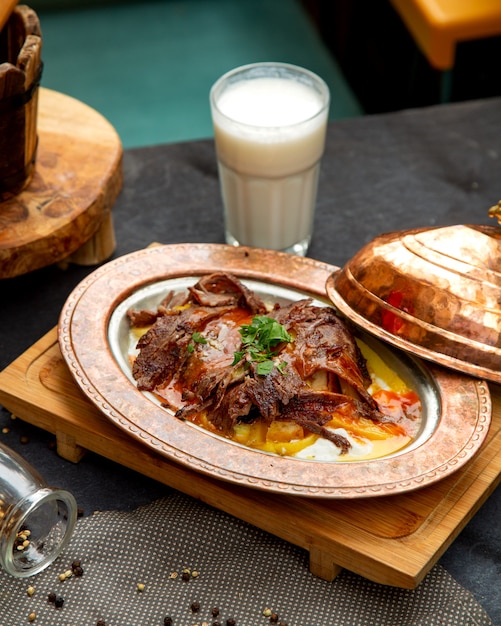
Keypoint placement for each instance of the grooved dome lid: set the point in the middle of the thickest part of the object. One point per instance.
(435, 292)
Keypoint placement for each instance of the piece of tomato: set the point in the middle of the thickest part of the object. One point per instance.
(365, 428)
(398, 405)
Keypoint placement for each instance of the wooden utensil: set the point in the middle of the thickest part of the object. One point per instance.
(20, 72)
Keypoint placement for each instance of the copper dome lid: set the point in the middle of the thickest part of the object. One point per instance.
(435, 292)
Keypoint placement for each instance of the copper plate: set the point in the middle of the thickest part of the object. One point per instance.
(435, 292)
(457, 409)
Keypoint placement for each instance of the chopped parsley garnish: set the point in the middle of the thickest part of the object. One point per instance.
(196, 338)
(259, 339)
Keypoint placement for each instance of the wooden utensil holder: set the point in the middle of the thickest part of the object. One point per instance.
(20, 73)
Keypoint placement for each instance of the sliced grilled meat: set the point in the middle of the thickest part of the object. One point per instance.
(223, 289)
(191, 348)
(324, 342)
(163, 350)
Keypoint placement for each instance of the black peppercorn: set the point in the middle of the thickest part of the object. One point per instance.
(195, 607)
(230, 622)
(168, 621)
(100, 622)
(51, 597)
(215, 612)
(59, 601)
(273, 618)
(185, 576)
(77, 571)
(216, 624)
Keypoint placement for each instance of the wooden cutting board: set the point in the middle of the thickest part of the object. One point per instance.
(64, 214)
(392, 540)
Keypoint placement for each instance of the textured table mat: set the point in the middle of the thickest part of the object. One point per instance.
(233, 566)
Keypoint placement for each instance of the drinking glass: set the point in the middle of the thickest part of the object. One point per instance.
(270, 122)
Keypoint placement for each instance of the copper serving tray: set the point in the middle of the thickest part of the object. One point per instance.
(457, 408)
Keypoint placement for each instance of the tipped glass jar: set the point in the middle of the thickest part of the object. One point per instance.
(36, 521)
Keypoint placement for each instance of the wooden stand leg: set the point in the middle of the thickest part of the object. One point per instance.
(68, 448)
(98, 249)
(322, 564)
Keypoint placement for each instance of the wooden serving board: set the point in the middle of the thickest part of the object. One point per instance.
(64, 214)
(392, 540)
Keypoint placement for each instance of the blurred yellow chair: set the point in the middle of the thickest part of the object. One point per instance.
(437, 26)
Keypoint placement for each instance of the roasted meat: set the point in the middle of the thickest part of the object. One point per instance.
(189, 358)
(323, 342)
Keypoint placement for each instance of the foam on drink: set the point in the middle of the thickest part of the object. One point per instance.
(269, 102)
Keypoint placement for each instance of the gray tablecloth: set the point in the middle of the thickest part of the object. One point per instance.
(228, 565)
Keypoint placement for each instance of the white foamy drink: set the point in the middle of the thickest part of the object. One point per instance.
(270, 134)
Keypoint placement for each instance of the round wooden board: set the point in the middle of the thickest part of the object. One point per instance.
(65, 211)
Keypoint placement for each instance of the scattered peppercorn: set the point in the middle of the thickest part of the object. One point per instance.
(51, 597)
(24, 439)
(195, 607)
(215, 611)
(273, 618)
(185, 576)
(168, 621)
(58, 602)
(30, 591)
(100, 622)
(76, 563)
(283, 624)
(216, 624)
(80, 512)
(230, 622)
(32, 616)
(78, 571)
